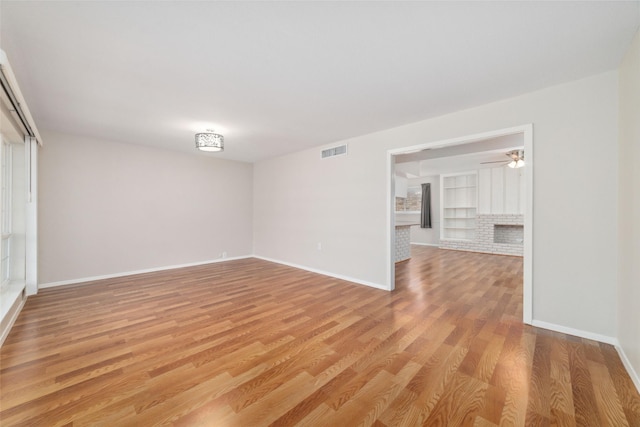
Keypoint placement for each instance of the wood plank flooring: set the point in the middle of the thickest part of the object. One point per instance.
(251, 343)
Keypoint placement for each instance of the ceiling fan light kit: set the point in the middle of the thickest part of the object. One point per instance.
(514, 164)
(517, 159)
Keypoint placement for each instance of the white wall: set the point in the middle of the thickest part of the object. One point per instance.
(109, 208)
(301, 199)
(401, 186)
(629, 208)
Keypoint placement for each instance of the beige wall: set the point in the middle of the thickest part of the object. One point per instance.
(629, 208)
(110, 208)
(301, 200)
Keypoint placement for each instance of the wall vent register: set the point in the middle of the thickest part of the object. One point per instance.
(335, 151)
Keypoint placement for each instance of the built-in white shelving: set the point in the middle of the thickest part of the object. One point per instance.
(459, 202)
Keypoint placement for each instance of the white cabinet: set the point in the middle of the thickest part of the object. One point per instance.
(501, 191)
(459, 203)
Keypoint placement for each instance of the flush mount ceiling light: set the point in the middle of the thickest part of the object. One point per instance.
(209, 141)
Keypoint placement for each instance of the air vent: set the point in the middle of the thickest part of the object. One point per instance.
(335, 151)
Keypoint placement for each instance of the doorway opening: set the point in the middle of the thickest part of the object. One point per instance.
(485, 197)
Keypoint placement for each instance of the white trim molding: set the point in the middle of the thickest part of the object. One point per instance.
(11, 321)
(31, 215)
(12, 294)
(325, 273)
(14, 89)
(527, 132)
(131, 273)
(172, 267)
(595, 337)
(575, 332)
(629, 367)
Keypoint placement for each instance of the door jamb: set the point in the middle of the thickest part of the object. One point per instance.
(527, 132)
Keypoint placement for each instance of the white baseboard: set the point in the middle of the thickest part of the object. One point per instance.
(325, 273)
(595, 337)
(629, 367)
(575, 332)
(5, 332)
(171, 267)
(130, 273)
(425, 244)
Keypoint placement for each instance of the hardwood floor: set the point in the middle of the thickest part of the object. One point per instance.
(251, 343)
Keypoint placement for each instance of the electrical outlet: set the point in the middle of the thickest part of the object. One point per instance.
(223, 255)
(319, 246)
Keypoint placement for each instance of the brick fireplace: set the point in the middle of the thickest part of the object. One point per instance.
(495, 233)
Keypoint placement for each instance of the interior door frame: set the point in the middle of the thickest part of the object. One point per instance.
(527, 132)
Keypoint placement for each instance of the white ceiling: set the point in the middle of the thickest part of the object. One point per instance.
(277, 77)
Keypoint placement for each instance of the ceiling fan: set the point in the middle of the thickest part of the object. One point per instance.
(516, 156)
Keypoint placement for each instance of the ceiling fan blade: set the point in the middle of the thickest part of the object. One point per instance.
(497, 161)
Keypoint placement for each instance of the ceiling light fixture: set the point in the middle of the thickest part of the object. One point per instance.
(515, 164)
(517, 159)
(209, 141)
